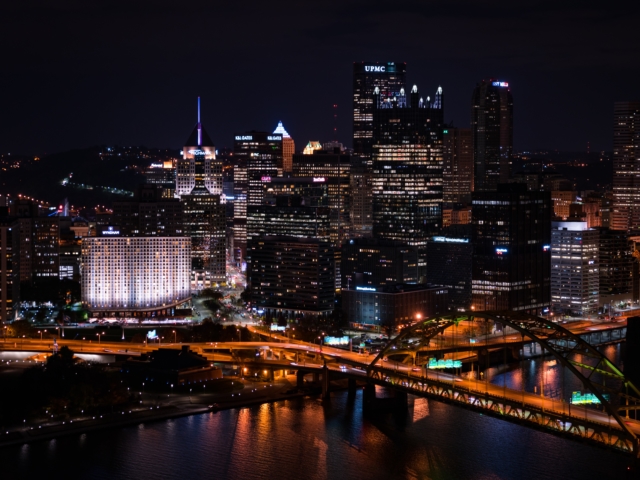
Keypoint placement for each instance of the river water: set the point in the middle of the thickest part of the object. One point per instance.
(310, 439)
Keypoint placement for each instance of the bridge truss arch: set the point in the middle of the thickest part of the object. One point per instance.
(571, 351)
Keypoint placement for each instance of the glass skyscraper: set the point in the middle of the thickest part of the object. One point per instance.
(626, 166)
(407, 169)
(492, 127)
(389, 79)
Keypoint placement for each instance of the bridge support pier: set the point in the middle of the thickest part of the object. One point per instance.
(352, 387)
(316, 377)
(398, 402)
(299, 379)
(325, 382)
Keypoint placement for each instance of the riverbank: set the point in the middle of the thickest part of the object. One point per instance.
(152, 414)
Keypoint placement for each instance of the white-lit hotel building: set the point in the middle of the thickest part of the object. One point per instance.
(135, 276)
(574, 268)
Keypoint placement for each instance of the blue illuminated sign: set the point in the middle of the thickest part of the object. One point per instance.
(500, 251)
(274, 137)
(366, 289)
(244, 137)
(500, 84)
(450, 240)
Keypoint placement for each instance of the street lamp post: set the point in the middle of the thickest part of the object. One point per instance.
(40, 332)
(174, 337)
(99, 336)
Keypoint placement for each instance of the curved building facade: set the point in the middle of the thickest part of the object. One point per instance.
(124, 275)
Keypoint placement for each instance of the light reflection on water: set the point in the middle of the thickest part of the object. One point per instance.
(314, 440)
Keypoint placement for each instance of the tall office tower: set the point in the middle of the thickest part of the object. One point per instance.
(300, 207)
(199, 187)
(288, 149)
(375, 262)
(511, 238)
(449, 260)
(332, 169)
(291, 277)
(204, 223)
(407, 169)
(626, 166)
(574, 268)
(257, 156)
(198, 162)
(361, 198)
(149, 214)
(616, 263)
(457, 156)
(142, 277)
(36, 247)
(163, 174)
(562, 200)
(492, 126)
(389, 79)
(288, 215)
(6, 269)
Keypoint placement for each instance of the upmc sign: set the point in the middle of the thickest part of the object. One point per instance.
(375, 68)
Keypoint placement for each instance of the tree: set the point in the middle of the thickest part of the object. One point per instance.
(20, 328)
(211, 293)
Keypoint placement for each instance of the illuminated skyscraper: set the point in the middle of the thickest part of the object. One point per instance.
(492, 127)
(199, 187)
(388, 78)
(511, 240)
(6, 273)
(407, 170)
(626, 166)
(288, 149)
(256, 159)
(458, 165)
(574, 268)
(199, 161)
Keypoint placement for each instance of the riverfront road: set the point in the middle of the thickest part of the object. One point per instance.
(422, 382)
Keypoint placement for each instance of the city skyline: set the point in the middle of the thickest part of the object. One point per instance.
(137, 89)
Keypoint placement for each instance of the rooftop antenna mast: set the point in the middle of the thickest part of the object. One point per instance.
(335, 122)
(199, 125)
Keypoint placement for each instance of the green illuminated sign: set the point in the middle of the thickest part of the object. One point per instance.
(445, 131)
(433, 363)
(577, 398)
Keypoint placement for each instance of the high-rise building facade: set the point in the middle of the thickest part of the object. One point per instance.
(407, 169)
(511, 236)
(149, 214)
(374, 262)
(361, 198)
(626, 166)
(292, 276)
(457, 155)
(333, 170)
(6, 270)
(492, 130)
(449, 260)
(198, 162)
(135, 276)
(199, 187)
(616, 262)
(574, 268)
(256, 159)
(288, 149)
(389, 79)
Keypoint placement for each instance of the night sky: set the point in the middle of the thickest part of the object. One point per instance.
(128, 72)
